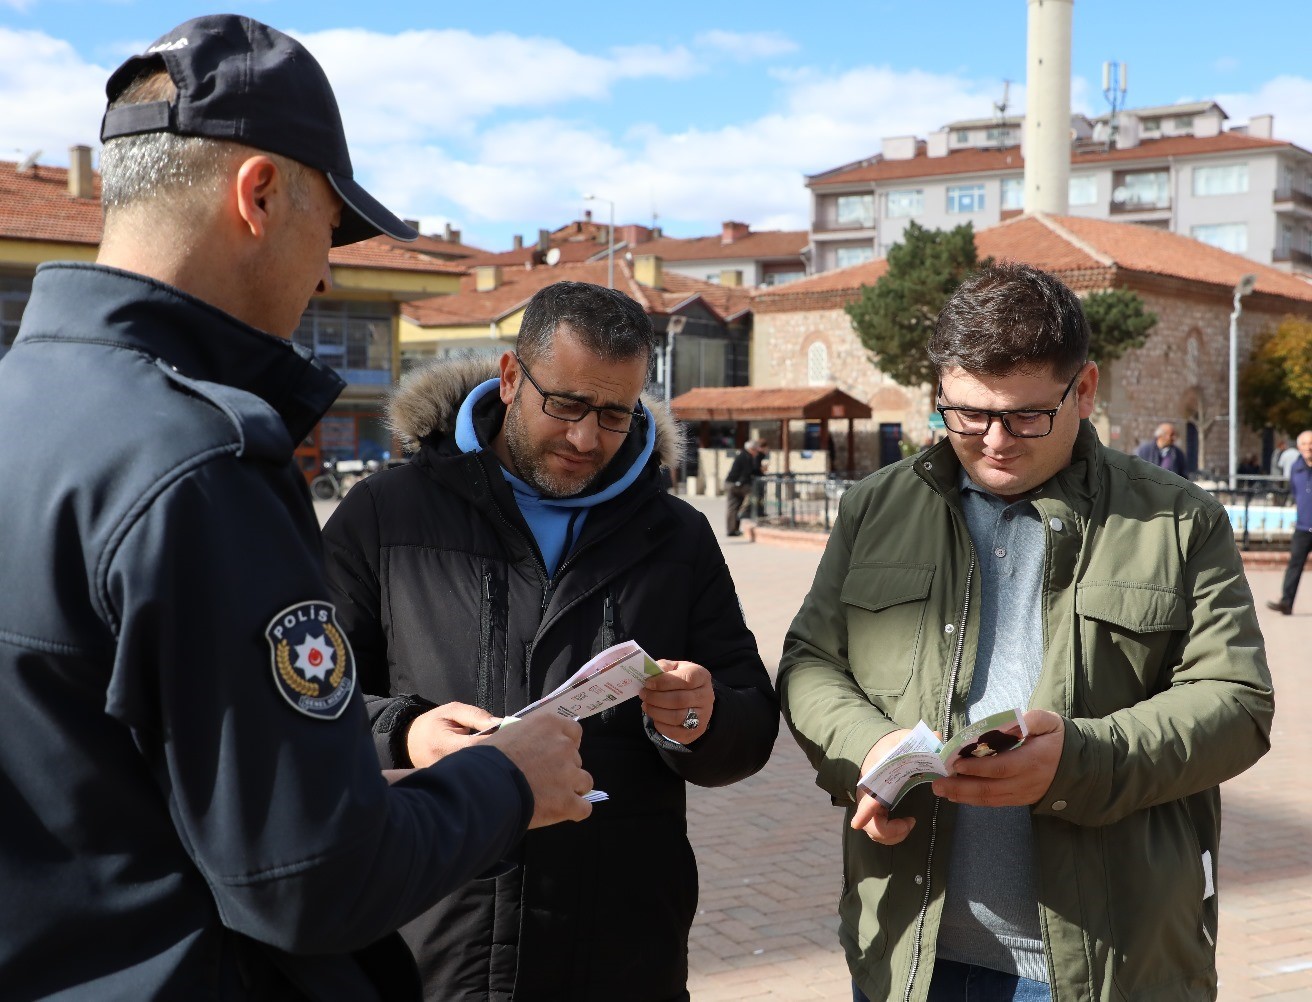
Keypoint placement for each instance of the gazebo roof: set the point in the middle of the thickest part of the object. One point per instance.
(754, 403)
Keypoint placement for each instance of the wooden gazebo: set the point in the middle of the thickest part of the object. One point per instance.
(746, 405)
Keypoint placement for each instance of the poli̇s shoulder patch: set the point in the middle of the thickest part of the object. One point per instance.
(313, 667)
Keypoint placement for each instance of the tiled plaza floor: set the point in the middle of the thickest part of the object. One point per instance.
(769, 853)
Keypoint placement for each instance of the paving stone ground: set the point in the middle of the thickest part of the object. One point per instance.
(768, 848)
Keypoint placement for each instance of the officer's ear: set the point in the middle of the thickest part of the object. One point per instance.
(510, 376)
(258, 180)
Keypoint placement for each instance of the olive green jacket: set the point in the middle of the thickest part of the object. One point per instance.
(1152, 654)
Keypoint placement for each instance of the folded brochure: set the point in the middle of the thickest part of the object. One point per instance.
(614, 675)
(921, 757)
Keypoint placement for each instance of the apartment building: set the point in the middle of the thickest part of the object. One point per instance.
(54, 214)
(1175, 168)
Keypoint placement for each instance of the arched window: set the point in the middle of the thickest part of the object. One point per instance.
(817, 364)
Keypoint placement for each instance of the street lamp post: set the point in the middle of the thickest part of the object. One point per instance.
(1244, 287)
(610, 239)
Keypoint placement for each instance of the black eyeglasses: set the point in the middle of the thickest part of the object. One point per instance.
(1028, 423)
(564, 407)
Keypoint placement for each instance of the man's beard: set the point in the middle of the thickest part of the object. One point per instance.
(531, 459)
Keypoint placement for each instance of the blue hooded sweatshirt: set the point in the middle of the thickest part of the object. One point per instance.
(556, 523)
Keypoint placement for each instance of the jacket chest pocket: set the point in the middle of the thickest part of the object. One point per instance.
(1126, 633)
(885, 606)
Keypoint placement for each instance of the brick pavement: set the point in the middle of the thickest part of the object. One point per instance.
(769, 853)
(768, 847)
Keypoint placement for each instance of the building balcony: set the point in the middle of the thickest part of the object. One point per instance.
(1298, 258)
(1294, 197)
(1136, 206)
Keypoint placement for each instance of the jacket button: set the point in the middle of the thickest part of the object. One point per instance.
(928, 465)
(919, 880)
(950, 628)
(1055, 524)
(1059, 805)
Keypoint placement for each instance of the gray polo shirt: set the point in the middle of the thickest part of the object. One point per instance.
(991, 915)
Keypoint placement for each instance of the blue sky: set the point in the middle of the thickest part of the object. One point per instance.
(499, 117)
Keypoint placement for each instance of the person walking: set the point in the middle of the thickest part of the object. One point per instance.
(1300, 544)
(738, 486)
(1162, 451)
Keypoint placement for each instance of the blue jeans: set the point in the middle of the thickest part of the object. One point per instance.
(953, 982)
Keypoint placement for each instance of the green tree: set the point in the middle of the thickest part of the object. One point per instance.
(1117, 323)
(1275, 386)
(895, 316)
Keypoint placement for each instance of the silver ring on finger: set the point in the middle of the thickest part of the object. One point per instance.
(690, 719)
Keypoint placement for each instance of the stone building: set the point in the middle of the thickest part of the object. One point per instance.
(803, 336)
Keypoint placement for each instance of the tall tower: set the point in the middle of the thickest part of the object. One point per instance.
(1048, 107)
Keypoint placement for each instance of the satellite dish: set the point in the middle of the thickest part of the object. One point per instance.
(553, 256)
(29, 161)
(1121, 195)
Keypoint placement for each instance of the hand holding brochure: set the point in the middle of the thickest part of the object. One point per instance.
(614, 675)
(921, 757)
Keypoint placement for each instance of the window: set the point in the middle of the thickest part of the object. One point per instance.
(1184, 122)
(855, 210)
(1232, 237)
(845, 257)
(1083, 189)
(353, 338)
(1152, 124)
(1142, 190)
(908, 202)
(817, 365)
(1013, 193)
(14, 293)
(966, 198)
(1231, 179)
(963, 136)
(782, 277)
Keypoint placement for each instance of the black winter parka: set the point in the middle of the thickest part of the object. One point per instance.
(444, 597)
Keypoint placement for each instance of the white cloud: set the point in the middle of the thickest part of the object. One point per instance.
(420, 84)
(747, 46)
(51, 97)
(1288, 98)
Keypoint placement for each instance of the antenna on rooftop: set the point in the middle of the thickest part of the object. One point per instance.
(1000, 109)
(1114, 78)
(29, 161)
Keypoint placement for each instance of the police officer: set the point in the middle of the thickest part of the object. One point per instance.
(191, 799)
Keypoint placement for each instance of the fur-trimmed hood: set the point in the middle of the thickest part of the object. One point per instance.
(429, 397)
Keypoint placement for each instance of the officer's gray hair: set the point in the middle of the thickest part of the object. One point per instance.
(172, 167)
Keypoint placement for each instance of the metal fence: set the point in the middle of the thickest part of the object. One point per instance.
(797, 500)
(1260, 509)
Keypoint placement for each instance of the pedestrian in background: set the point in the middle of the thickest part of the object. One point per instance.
(1300, 487)
(738, 486)
(192, 806)
(1162, 451)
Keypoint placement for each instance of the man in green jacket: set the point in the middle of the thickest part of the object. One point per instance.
(1022, 564)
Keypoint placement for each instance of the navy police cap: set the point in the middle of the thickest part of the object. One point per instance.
(243, 81)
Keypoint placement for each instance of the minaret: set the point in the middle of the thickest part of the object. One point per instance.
(1048, 107)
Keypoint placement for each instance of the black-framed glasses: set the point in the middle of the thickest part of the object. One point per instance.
(1027, 423)
(566, 407)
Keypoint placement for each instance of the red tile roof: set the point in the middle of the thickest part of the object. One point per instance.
(36, 205)
(755, 245)
(438, 247)
(394, 255)
(1010, 159)
(518, 284)
(571, 252)
(1085, 253)
(745, 403)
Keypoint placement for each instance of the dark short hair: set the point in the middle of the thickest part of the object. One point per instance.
(609, 323)
(1009, 318)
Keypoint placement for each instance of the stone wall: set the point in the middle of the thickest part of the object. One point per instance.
(782, 344)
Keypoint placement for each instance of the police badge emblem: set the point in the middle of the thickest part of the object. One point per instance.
(313, 667)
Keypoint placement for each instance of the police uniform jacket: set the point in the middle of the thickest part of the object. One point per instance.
(192, 806)
(444, 595)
